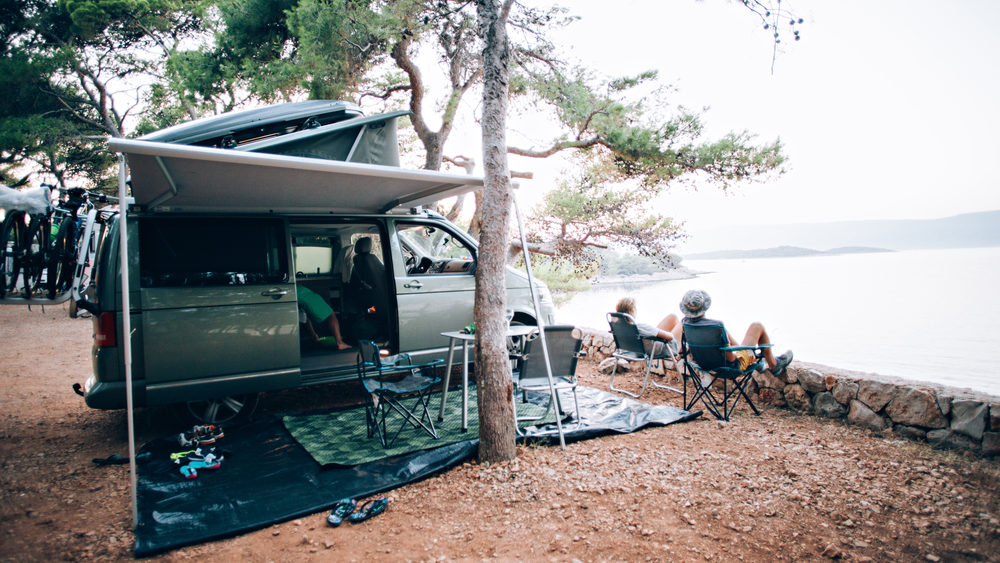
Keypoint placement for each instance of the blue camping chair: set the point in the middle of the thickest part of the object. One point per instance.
(703, 347)
(385, 392)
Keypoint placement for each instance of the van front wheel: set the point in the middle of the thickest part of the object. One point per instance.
(223, 410)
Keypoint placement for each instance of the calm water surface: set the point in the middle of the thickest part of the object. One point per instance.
(927, 315)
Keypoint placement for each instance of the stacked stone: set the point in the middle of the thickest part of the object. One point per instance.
(944, 417)
(947, 418)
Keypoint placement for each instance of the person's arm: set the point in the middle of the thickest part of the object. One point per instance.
(312, 331)
(731, 356)
(652, 331)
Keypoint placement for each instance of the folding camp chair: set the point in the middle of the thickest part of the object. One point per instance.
(631, 346)
(563, 343)
(703, 347)
(385, 391)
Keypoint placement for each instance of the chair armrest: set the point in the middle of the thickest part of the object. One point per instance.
(395, 359)
(736, 348)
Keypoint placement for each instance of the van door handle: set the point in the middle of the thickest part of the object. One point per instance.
(414, 284)
(275, 292)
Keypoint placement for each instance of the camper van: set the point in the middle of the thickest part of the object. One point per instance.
(234, 218)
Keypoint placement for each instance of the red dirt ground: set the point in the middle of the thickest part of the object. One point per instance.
(780, 486)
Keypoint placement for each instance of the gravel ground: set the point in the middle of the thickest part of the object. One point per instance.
(780, 486)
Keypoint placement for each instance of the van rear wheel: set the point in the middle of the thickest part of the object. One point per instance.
(223, 410)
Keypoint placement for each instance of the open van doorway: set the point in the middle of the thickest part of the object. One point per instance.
(342, 262)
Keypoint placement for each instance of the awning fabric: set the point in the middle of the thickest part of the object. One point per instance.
(179, 178)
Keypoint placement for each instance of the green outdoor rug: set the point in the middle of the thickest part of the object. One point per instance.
(340, 437)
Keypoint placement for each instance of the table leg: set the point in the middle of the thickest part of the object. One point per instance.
(447, 377)
(465, 385)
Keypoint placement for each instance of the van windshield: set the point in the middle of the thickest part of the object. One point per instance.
(430, 249)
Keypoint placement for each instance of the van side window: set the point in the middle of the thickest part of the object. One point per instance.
(429, 249)
(200, 252)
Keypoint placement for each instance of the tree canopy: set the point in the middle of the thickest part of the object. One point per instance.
(85, 69)
(73, 72)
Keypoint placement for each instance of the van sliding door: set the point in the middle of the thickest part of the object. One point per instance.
(219, 313)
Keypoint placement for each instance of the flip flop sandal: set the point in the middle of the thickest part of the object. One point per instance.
(370, 509)
(341, 510)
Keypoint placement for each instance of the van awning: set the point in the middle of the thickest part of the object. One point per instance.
(168, 177)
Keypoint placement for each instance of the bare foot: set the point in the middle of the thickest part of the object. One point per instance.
(343, 346)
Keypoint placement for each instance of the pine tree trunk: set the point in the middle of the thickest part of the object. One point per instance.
(493, 377)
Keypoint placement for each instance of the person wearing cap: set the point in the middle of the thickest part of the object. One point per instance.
(695, 304)
(668, 329)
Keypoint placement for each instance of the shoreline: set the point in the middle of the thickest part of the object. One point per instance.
(681, 273)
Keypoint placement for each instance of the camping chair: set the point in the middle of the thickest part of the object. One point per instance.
(563, 343)
(703, 347)
(630, 346)
(385, 394)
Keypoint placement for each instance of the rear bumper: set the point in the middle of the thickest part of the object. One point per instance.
(111, 395)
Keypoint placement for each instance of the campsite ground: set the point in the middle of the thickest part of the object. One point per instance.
(778, 487)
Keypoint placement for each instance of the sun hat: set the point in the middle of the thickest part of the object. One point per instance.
(695, 303)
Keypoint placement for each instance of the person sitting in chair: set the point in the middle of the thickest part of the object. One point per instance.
(668, 329)
(696, 302)
(318, 311)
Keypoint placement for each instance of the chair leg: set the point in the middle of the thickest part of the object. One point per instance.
(663, 367)
(424, 422)
(701, 393)
(738, 391)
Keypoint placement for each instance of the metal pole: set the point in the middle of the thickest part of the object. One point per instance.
(541, 325)
(127, 331)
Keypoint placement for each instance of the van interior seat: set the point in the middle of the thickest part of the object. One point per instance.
(368, 282)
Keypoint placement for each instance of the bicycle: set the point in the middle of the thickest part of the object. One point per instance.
(36, 257)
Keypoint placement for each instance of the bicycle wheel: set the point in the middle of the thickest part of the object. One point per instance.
(12, 238)
(35, 251)
(87, 252)
(62, 259)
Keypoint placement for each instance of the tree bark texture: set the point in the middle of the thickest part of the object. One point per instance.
(493, 376)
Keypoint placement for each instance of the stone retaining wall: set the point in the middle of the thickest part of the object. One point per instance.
(943, 416)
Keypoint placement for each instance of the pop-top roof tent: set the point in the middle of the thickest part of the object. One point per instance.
(286, 160)
(230, 130)
(331, 130)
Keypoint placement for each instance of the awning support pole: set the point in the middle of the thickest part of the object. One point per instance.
(541, 324)
(127, 331)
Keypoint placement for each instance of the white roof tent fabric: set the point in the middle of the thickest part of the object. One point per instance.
(181, 178)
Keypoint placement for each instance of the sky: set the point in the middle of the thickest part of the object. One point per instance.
(887, 109)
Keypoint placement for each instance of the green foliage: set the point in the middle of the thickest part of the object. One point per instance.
(595, 209)
(282, 49)
(650, 144)
(561, 275)
(68, 68)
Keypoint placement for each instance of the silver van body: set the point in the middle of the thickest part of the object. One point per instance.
(221, 242)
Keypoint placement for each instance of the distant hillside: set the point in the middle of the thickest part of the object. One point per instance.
(780, 252)
(960, 231)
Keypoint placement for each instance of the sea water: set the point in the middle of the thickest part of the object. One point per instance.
(924, 315)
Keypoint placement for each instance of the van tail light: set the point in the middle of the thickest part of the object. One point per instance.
(104, 330)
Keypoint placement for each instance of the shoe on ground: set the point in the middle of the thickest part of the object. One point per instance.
(369, 509)
(341, 510)
(782, 362)
(200, 435)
